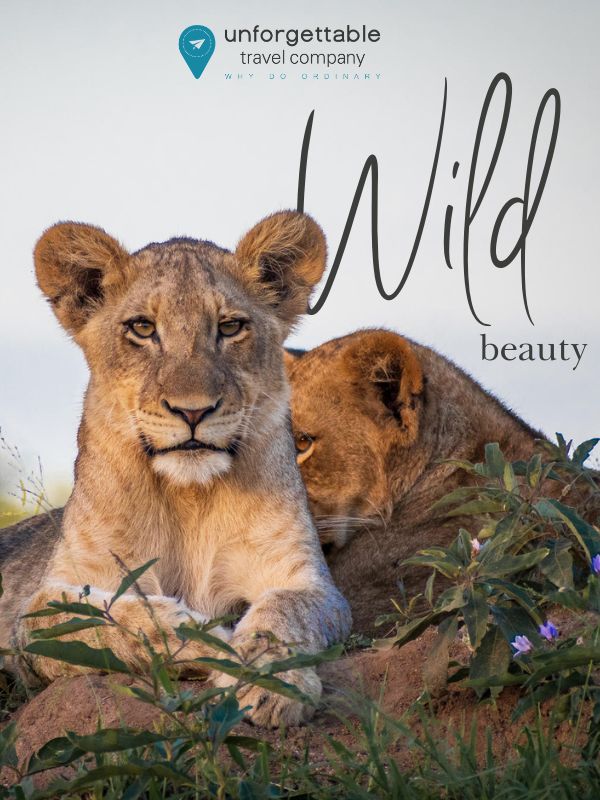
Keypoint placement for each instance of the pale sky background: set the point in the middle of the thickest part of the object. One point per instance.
(102, 122)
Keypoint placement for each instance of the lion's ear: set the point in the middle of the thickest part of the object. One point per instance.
(76, 265)
(281, 259)
(388, 365)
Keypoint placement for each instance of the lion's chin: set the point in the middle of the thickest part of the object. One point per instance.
(186, 469)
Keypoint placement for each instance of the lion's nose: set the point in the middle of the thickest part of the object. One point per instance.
(193, 416)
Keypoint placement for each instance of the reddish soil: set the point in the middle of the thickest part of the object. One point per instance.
(393, 678)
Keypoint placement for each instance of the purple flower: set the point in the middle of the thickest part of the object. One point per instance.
(596, 564)
(522, 646)
(548, 631)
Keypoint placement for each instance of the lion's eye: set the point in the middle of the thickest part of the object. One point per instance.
(303, 442)
(230, 327)
(305, 445)
(142, 328)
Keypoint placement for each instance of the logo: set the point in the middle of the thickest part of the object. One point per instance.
(196, 45)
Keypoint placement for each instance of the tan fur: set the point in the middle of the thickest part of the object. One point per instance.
(383, 413)
(228, 522)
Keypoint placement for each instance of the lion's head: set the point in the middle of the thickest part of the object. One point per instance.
(356, 407)
(183, 339)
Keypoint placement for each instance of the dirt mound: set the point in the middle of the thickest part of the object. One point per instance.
(393, 678)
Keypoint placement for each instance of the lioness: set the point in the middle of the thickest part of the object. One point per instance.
(185, 451)
(373, 415)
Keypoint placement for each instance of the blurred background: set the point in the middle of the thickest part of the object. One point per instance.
(103, 122)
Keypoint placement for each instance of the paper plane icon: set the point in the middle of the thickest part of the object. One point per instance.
(196, 45)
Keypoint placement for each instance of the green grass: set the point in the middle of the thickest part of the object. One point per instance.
(201, 758)
(201, 749)
(536, 554)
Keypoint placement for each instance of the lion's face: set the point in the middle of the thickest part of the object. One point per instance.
(188, 355)
(183, 339)
(355, 405)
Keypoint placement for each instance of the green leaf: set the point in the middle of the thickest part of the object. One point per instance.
(279, 686)
(567, 598)
(517, 593)
(8, 738)
(159, 669)
(253, 789)
(475, 614)
(439, 553)
(582, 452)
(515, 621)
(474, 507)
(223, 717)
(56, 753)
(565, 658)
(78, 653)
(547, 691)
(450, 599)
(534, 470)
(502, 537)
(198, 635)
(592, 593)
(130, 579)
(563, 446)
(199, 701)
(138, 693)
(234, 668)
(507, 679)
(588, 537)
(66, 788)
(44, 612)
(458, 495)
(57, 607)
(302, 660)
(248, 743)
(249, 675)
(558, 565)
(237, 757)
(448, 565)
(111, 740)
(137, 789)
(519, 468)
(406, 633)
(508, 477)
(491, 660)
(494, 460)
(429, 588)
(511, 565)
(462, 547)
(72, 626)
(467, 466)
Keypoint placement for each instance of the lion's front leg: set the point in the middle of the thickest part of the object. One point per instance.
(132, 629)
(302, 621)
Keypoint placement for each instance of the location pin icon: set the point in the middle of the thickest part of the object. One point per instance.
(196, 45)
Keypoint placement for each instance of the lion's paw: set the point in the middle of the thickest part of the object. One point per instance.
(272, 710)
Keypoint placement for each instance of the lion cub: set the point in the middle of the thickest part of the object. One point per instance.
(185, 450)
(376, 418)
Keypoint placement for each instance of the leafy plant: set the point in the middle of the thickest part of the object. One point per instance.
(532, 552)
(189, 755)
